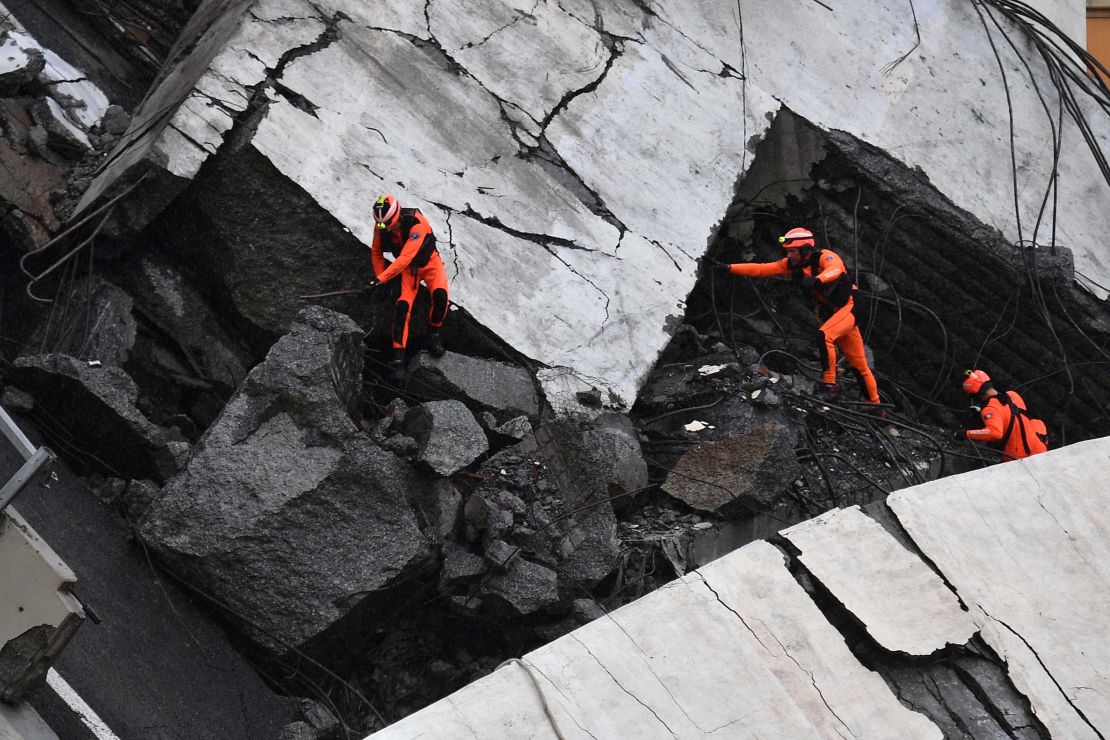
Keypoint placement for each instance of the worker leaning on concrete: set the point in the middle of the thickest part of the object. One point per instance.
(407, 235)
(825, 281)
(1005, 419)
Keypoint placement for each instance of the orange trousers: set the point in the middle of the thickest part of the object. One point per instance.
(840, 330)
(434, 275)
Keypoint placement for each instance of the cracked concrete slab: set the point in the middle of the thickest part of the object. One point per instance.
(551, 52)
(1026, 546)
(572, 126)
(903, 604)
(736, 650)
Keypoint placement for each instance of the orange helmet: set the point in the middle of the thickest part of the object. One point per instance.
(975, 380)
(797, 238)
(387, 211)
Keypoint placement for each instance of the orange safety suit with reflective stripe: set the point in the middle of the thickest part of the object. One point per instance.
(1020, 436)
(415, 259)
(833, 293)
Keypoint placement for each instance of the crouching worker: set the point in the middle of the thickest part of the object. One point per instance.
(1005, 419)
(821, 275)
(406, 234)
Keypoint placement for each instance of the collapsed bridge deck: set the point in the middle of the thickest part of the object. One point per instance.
(803, 635)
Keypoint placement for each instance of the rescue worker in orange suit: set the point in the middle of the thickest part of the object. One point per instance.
(1005, 420)
(406, 234)
(822, 276)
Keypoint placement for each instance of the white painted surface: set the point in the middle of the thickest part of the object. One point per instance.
(736, 651)
(904, 605)
(1026, 545)
(89, 718)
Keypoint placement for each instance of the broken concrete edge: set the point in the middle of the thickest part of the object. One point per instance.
(875, 657)
(202, 39)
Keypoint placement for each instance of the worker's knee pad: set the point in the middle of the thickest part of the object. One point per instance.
(439, 306)
(400, 319)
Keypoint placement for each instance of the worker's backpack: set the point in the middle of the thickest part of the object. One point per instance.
(1020, 418)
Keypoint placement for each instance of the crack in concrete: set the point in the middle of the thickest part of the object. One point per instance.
(451, 243)
(1047, 672)
(543, 240)
(735, 613)
(621, 686)
(521, 15)
(542, 149)
(813, 682)
(1071, 539)
(615, 49)
(191, 140)
(677, 73)
(803, 669)
(626, 633)
(663, 249)
(566, 264)
(246, 121)
(462, 717)
(223, 105)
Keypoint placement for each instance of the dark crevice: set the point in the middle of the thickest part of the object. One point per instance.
(246, 122)
(615, 47)
(298, 101)
(956, 714)
(543, 240)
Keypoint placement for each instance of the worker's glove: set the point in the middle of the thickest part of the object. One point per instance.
(721, 268)
(371, 286)
(959, 435)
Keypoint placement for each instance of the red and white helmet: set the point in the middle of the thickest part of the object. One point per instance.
(797, 238)
(387, 211)
(974, 381)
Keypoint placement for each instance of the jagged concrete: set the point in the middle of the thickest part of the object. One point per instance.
(583, 201)
(1029, 564)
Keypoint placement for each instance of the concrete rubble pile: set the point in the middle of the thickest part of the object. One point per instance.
(609, 415)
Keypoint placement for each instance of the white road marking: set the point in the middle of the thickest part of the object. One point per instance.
(78, 705)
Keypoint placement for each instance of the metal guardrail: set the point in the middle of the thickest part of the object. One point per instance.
(35, 459)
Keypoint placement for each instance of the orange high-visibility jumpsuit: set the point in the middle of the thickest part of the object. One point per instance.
(415, 260)
(833, 292)
(1020, 435)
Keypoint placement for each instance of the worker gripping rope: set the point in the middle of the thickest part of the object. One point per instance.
(1005, 419)
(821, 275)
(408, 237)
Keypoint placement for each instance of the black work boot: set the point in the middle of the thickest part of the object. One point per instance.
(435, 345)
(827, 391)
(397, 366)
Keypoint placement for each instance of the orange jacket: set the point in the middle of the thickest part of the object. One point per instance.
(831, 269)
(996, 416)
(412, 239)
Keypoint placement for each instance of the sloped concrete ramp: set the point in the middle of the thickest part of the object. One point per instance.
(753, 644)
